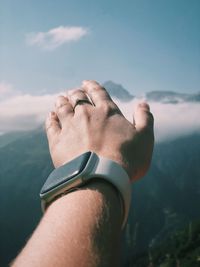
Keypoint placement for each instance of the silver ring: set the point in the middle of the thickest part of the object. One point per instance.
(82, 102)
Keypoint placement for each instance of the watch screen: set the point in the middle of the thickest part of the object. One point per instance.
(66, 172)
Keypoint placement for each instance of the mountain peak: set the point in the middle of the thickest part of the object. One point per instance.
(118, 91)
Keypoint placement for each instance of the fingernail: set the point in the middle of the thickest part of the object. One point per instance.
(70, 92)
(144, 105)
(85, 81)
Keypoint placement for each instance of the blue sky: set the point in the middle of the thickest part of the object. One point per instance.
(143, 44)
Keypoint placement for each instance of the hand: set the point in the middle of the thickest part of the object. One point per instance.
(96, 124)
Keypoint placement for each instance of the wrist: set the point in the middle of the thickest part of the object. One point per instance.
(81, 171)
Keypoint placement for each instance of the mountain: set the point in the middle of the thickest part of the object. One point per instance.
(118, 91)
(173, 179)
(172, 97)
(163, 202)
(10, 137)
(24, 165)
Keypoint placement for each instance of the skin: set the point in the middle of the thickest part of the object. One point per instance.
(83, 227)
(101, 128)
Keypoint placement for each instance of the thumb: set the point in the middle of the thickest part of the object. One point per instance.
(143, 118)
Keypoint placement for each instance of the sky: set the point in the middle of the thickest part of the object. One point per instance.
(48, 46)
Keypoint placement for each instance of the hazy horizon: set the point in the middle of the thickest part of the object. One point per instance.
(27, 112)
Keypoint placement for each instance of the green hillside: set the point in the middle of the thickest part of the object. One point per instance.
(163, 202)
(180, 249)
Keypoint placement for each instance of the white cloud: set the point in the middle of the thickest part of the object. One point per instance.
(170, 120)
(56, 37)
(25, 112)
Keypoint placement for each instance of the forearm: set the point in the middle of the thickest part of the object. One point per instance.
(82, 228)
(79, 229)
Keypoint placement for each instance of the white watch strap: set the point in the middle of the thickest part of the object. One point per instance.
(116, 175)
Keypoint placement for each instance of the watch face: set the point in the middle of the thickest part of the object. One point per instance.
(65, 173)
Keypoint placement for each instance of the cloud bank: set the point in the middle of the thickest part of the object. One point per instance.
(25, 112)
(56, 37)
(170, 120)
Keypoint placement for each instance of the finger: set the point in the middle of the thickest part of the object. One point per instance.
(96, 92)
(78, 98)
(52, 126)
(64, 109)
(143, 118)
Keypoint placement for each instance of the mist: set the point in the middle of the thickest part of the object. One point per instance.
(170, 120)
(26, 112)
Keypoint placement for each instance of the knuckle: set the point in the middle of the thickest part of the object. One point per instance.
(109, 108)
(106, 108)
(82, 112)
(75, 92)
(94, 89)
(62, 109)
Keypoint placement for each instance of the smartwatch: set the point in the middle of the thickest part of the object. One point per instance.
(79, 172)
